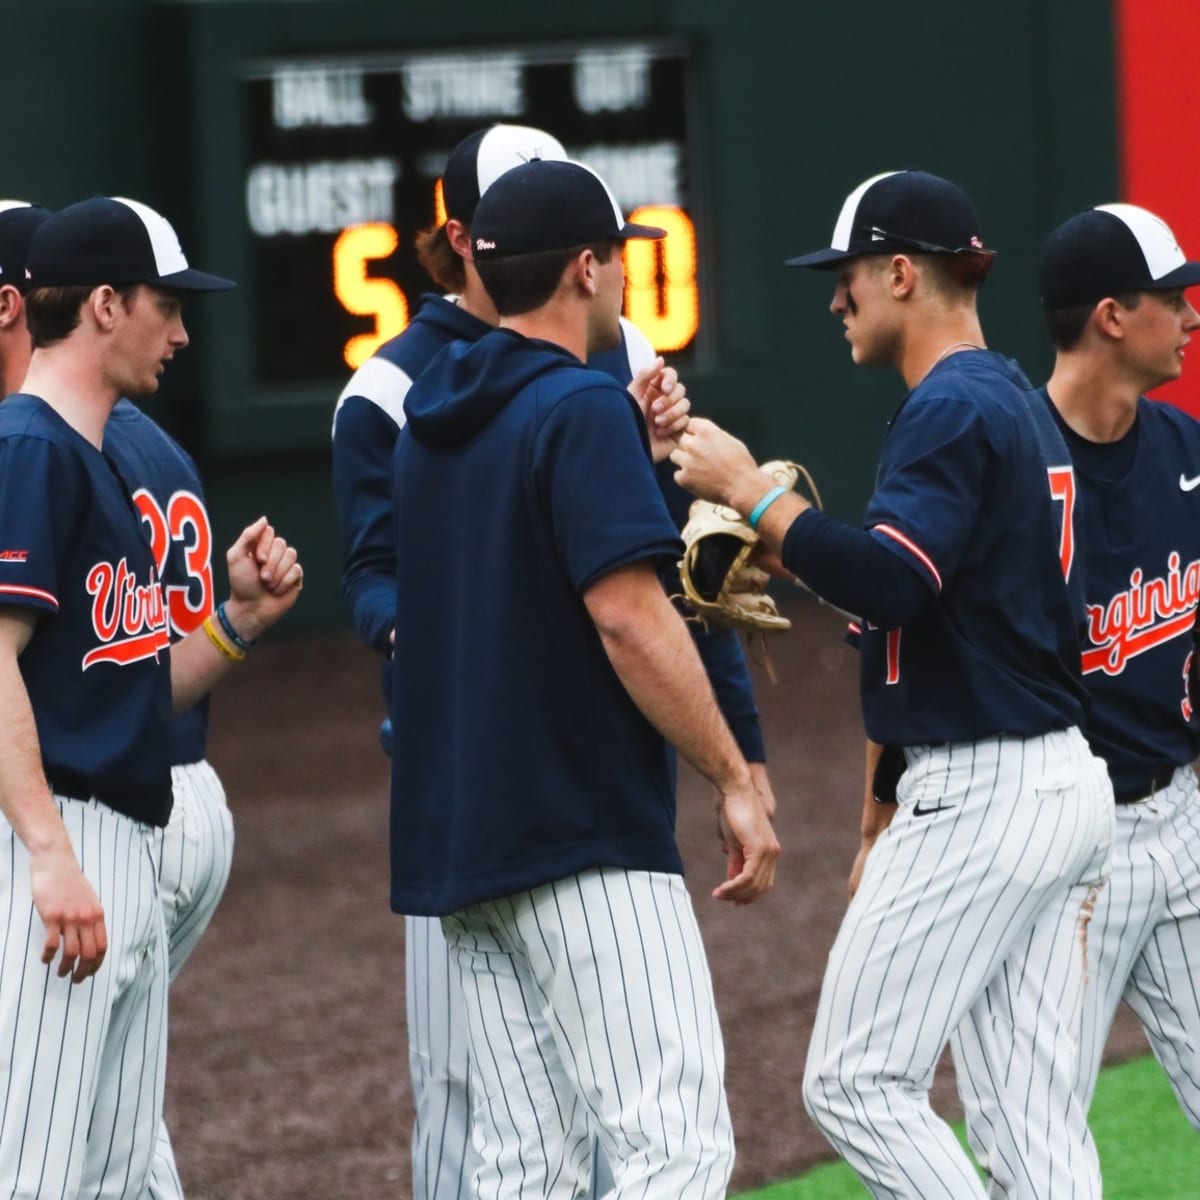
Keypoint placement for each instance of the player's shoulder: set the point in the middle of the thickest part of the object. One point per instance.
(384, 380)
(975, 387)
(1160, 416)
(30, 417)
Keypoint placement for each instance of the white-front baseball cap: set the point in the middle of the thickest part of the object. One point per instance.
(1110, 251)
(483, 156)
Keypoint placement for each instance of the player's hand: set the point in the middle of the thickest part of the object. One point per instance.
(860, 862)
(265, 578)
(750, 846)
(662, 397)
(715, 466)
(71, 912)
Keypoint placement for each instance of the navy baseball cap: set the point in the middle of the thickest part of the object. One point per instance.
(901, 212)
(549, 206)
(483, 156)
(109, 239)
(19, 220)
(1109, 251)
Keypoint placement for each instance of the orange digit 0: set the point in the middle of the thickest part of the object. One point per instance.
(661, 297)
(359, 293)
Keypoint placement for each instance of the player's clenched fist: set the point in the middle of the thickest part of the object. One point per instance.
(265, 577)
(71, 912)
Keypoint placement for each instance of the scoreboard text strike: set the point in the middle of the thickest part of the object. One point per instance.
(345, 161)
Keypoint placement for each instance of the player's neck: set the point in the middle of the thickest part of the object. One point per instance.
(564, 325)
(928, 344)
(1096, 401)
(474, 298)
(14, 360)
(73, 387)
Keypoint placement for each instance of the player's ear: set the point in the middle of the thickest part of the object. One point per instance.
(12, 306)
(587, 269)
(1109, 319)
(459, 237)
(901, 276)
(103, 304)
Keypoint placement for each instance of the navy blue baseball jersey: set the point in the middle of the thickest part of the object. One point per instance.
(370, 414)
(976, 492)
(97, 669)
(520, 479)
(167, 492)
(1140, 501)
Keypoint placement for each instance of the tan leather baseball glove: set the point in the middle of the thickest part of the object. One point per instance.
(720, 584)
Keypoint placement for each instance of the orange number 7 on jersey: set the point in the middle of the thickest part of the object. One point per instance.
(1062, 487)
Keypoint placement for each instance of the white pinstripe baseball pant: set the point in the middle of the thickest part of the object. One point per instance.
(589, 1004)
(1144, 939)
(443, 1154)
(1143, 945)
(82, 1083)
(194, 852)
(993, 841)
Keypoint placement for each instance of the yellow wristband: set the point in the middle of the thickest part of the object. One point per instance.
(231, 652)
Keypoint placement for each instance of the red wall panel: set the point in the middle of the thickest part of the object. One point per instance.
(1158, 122)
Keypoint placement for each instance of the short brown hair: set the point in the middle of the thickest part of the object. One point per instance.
(52, 313)
(523, 282)
(442, 263)
(1065, 326)
(955, 276)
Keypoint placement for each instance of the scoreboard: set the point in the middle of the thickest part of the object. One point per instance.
(341, 163)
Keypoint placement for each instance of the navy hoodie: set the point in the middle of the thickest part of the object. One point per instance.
(520, 479)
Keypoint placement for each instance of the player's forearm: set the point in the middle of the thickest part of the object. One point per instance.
(197, 666)
(653, 655)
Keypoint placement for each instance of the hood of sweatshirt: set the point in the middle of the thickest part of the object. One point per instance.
(468, 383)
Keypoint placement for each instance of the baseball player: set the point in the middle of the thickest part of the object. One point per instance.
(1112, 282)
(196, 849)
(368, 418)
(87, 684)
(532, 797)
(970, 664)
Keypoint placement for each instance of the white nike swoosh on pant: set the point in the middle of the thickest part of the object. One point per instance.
(1187, 485)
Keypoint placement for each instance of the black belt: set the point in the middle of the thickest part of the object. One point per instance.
(1156, 783)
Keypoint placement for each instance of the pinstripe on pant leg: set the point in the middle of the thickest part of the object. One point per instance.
(67, 1047)
(195, 854)
(615, 1012)
(947, 892)
(164, 1183)
(1163, 986)
(1017, 1051)
(443, 1158)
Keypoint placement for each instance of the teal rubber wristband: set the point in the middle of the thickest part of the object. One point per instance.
(761, 507)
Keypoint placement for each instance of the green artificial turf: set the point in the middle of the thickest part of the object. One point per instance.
(1148, 1150)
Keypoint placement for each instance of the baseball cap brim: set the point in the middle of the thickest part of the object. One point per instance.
(821, 259)
(630, 230)
(1186, 275)
(192, 280)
